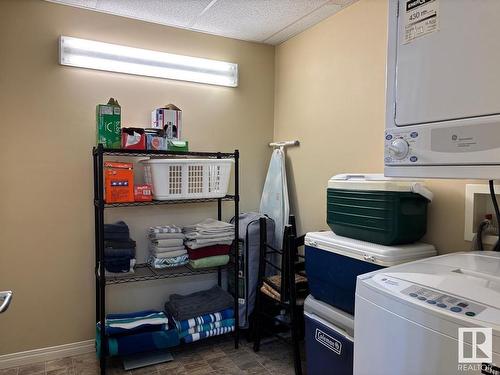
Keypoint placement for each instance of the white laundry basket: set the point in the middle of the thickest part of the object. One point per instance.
(187, 178)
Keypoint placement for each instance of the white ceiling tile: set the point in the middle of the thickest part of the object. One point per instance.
(77, 3)
(167, 12)
(253, 19)
(308, 21)
(267, 21)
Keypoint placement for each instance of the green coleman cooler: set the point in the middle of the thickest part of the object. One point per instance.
(377, 209)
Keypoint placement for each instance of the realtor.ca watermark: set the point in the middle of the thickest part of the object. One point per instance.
(475, 351)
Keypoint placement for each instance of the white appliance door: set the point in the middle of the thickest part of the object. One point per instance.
(448, 60)
(388, 344)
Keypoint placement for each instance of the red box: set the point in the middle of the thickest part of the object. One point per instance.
(133, 138)
(143, 193)
(118, 182)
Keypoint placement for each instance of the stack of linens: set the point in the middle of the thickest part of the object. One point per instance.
(202, 314)
(137, 332)
(208, 243)
(119, 249)
(167, 247)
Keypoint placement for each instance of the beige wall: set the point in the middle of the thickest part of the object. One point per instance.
(48, 126)
(330, 94)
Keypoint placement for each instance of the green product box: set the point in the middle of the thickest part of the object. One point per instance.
(174, 145)
(108, 122)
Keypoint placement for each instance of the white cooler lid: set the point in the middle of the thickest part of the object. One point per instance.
(381, 255)
(378, 182)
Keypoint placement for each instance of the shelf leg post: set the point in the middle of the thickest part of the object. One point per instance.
(100, 241)
(236, 247)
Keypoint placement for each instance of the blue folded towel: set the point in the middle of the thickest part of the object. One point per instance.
(118, 264)
(135, 322)
(118, 227)
(139, 342)
(110, 252)
(202, 335)
(184, 325)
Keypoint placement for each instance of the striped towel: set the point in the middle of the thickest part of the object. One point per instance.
(202, 335)
(147, 320)
(165, 229)
(207, 327)
(184, 325)
(168, 262)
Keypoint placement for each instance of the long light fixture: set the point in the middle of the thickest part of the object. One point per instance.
(90, 54)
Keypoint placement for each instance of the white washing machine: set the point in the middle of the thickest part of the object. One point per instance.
(407, 317)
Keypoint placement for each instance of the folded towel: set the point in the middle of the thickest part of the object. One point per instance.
(168, 242)
(207, 226)
(110, 252)
(160, 263)
(207, 327)
(124, 244)
(170, 254)
(117, 264)
(135, 322)
(118, 227)
(215, 261)
(183, 325)
(208, 251)
(116, 236)
(202, 335)
(197, 244)
(165, 229)
(156, 249)
(199, 303)
(166, 236)
(140, 342)
(129, 271)
(198, 235)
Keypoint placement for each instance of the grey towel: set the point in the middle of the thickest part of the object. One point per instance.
(205, 302)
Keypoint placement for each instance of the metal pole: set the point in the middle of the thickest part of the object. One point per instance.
(96, 235)
(219, 217)
(236, 235)
(102, 276)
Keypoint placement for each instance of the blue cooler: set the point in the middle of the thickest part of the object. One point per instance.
(333, 263)
(329, 339)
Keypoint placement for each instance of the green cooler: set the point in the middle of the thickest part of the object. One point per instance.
(377, 209)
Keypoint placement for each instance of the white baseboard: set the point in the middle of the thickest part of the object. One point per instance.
(46, 354)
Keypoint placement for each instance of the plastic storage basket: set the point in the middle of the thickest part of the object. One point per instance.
(173, 179)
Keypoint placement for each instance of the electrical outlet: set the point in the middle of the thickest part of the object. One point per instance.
(478, 204)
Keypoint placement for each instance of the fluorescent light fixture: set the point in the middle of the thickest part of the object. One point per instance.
(90, 54)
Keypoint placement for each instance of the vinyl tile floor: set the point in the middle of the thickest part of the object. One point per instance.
(212, 356)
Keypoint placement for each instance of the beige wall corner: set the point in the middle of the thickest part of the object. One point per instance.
(330, 94)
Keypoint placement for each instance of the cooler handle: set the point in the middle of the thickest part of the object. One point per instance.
(420, 189)
(337, 330)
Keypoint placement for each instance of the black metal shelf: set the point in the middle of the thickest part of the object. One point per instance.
(144, 272)
(176, 154)
(176, 201)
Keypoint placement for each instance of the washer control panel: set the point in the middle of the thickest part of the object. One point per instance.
(401, 147)
(443, 301)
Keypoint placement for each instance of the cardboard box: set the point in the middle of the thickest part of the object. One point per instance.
(133, 138)
(155, 139)
(118, 182)
(143, 193)
(168, 118)
(108, 124)
(173, 145)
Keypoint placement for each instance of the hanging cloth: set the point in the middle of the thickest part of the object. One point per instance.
(274, 202)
